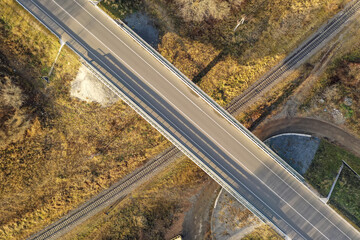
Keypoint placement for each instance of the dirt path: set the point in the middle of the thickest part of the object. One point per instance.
(311, 126)
(230, 219)
(197, 219)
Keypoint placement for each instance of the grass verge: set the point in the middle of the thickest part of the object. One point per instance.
(264, 232)
(346, 196)
(322, 173)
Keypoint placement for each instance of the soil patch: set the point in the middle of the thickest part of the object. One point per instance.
(197, 219)
(231, 220)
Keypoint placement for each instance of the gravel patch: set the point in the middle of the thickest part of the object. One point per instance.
(144, 26)
(231, 220)
(88, 88)
(296, 149)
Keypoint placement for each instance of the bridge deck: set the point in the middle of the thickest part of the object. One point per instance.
(226, 153)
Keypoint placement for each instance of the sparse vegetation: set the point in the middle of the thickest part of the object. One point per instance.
(119, 8)
(338, 89)
(14, 117)
(322, 172)
(263, 232)
(64, 150)
(261, 110)
(335, 95)
(148, 212)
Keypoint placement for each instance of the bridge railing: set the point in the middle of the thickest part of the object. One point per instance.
(191, 153)
(208, 99)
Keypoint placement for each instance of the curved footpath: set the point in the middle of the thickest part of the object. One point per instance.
(311, 126)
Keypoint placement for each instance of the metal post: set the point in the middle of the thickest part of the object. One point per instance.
(239, 22)
(333, 186)
(46, 78)
(95, 2)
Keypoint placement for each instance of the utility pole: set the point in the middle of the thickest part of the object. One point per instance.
(46, 78)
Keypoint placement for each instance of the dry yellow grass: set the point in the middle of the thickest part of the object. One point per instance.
(339, 81)
(149, 211)
(264, 232)
(272, 29)
(266, 38)
(72, 149)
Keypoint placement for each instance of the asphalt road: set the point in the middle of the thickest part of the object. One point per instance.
(202, 133)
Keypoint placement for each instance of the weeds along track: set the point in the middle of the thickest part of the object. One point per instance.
(109, 196)
(296, 57)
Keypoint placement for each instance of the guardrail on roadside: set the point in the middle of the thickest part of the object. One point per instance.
(193, 157)
(191, 153)
(208, 99)
(182, 148)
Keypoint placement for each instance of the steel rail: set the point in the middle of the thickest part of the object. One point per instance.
(86, 209)
(291, 61)
(51, 231)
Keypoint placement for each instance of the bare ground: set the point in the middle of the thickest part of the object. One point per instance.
(197, 219)
(230, 219)
(290, 108)
(311, 126)
(87, 87)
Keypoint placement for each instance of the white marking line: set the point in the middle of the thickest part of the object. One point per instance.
(234, 158)
(185, 97)
(217, 199)
(200, 109)
(117, 93)
(290, 134)
(190, 101)
(214, 160)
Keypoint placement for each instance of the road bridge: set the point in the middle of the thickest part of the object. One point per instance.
(192, 121)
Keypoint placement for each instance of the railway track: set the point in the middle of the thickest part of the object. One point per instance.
(155, 165)
(109, 196)
(294, 59)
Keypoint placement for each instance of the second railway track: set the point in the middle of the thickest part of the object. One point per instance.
(296, 57)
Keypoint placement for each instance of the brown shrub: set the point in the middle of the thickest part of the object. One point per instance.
(14, 119)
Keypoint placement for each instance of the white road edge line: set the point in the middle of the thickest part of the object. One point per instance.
(234, 158)
(191, 102)
(197, 107)
(187, 136)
